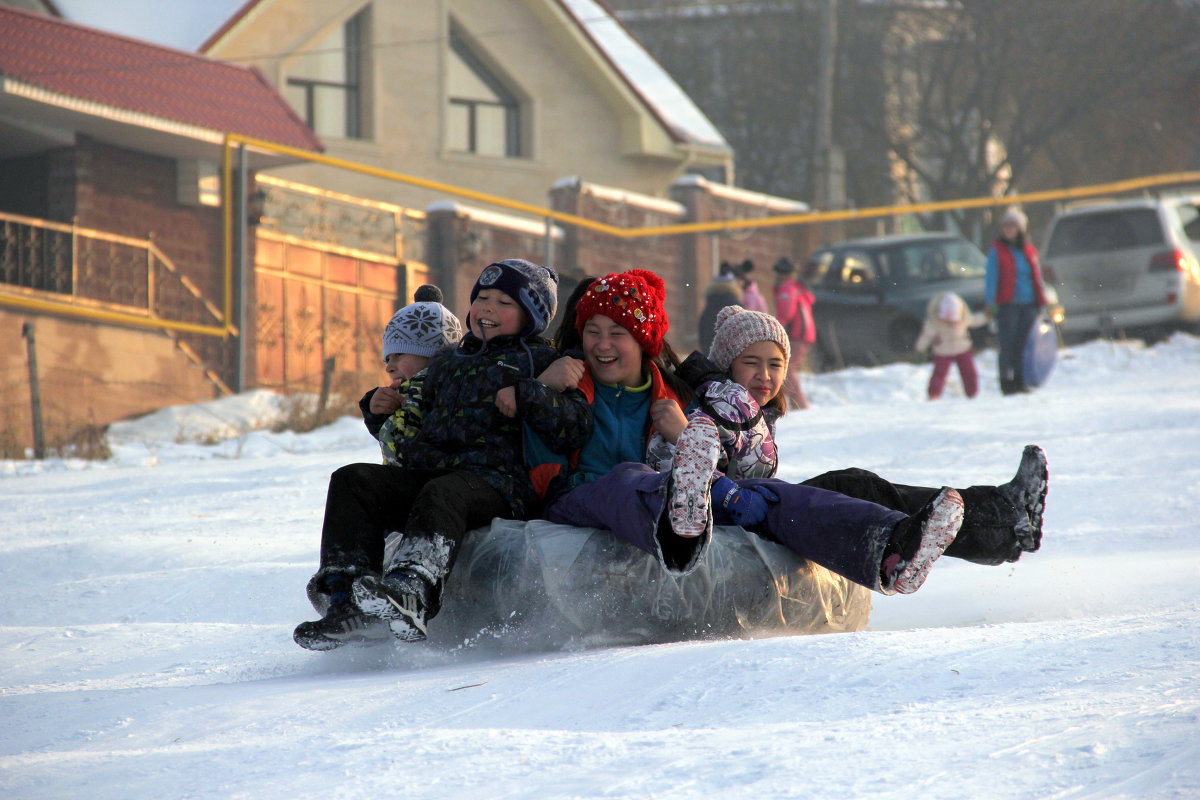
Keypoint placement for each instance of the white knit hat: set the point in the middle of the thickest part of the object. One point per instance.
(1017, 217)
(422, 329)
(737, 328)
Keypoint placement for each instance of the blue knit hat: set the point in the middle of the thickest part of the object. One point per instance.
(532, 286)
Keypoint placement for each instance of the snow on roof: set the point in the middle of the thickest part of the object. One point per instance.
(646, 76)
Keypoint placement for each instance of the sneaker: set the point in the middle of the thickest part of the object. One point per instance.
(696, 455)
(1027, 491)
(401, 599)
(343, 624)
(920, 540)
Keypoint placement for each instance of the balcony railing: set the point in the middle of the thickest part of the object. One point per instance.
(51, 266)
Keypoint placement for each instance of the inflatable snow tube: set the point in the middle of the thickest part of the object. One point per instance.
(549, 585)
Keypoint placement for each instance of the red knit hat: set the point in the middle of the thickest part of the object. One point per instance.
(634, 300)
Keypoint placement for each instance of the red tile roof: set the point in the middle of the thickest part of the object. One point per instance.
(136, 76)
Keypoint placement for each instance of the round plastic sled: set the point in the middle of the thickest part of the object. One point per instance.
(1041, 351)
(539, 584)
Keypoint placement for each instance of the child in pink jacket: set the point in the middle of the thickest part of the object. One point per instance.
(946, 333)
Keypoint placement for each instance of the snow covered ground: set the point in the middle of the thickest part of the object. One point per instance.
(148, 602)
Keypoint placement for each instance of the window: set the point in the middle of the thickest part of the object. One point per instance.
(1096, 232)
(483, 117)
(325, 84)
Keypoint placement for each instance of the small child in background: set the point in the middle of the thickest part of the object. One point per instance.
(946, 333)
(416, 333)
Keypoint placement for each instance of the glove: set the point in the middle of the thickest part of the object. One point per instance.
(747, 506)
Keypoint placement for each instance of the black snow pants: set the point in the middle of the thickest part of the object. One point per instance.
(989, 530)
(366, 502)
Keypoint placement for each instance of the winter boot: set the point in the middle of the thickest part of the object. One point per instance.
(993, 530)
(402, 599)
(918, 541)
(409, 595)
(696, 455)
(1027, 491)
(343, 624)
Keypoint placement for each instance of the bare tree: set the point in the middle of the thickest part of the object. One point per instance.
(980, 92)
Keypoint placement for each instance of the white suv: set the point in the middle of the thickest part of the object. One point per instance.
(1128, 266)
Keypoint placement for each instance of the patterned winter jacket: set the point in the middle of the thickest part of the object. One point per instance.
(391, 430)
(461, 429)
(747, 432)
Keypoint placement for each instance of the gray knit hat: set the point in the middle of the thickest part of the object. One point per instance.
(737, 328)
(534, 287)
(423, 328)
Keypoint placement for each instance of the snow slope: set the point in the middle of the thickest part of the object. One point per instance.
(145, 645)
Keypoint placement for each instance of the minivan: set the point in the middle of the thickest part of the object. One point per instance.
(1126, 267)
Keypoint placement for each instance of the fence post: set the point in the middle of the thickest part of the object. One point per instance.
(35, 393)
(326, 382)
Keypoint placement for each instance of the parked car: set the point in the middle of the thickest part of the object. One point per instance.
(871, 294)
(1126, 267)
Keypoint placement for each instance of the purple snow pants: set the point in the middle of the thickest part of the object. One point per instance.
(843, 534)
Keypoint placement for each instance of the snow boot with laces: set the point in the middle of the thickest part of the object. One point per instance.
(342, 625)
(401, 599)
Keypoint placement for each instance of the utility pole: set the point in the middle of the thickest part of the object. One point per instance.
(829, 175)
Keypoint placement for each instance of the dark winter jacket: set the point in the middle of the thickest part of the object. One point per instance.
(461, 428)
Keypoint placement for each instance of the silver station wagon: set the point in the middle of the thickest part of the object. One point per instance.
(1126, 267)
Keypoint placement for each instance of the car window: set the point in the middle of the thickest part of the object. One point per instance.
(857, 270)
(817, 268)
(1189, 220)
(1104, 230)
(923, 262)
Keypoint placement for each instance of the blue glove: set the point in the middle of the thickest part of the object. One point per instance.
(747, 506)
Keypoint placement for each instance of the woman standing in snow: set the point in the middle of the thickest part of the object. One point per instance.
(1014, 295)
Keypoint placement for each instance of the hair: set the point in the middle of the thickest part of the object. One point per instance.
(668, 362)
(566, 337)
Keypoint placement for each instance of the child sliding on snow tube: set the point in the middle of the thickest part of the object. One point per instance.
(666, 510)
(460, 470)
(739, 385)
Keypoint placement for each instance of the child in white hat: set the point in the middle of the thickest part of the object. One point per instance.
(947, 333)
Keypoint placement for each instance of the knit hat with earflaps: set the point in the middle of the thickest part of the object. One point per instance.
(634, 300)
(738, 328)
(532, 286)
